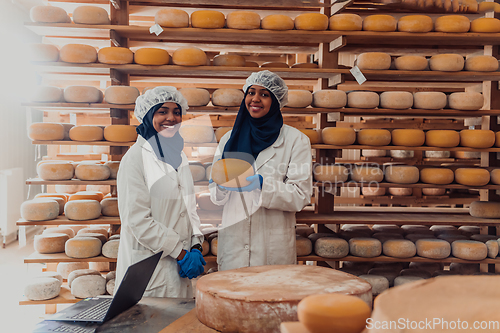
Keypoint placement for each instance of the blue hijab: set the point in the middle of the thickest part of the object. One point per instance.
(253, 135)
(167, 150)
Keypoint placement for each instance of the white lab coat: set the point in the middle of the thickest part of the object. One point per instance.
(267, 236)
(157, 209)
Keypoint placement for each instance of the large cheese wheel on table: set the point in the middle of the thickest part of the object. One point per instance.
(338, 136)
(82, 94)
(415, 23)
(49, 14)
(232, 60)
(432, 100)
(121, 94)
(78, 54)
(243, 20)
(43, 52)
(374, 61)
(258, 299)
(438, 176)
(485, 209)
(367, 174)
(197, 133)
(277, 22)
(485, 24)
(115, 55)
(408, 137)
(299, 98)
(91, 171)
(477, 138)
(81, 210)
(402, 174)
(40, 289)
(120, 133)
(374, 137)
(448, 62)
(90, 15)
(86, 133)
(189, 56)
(208, 19)
(311, 21)
(396, 100)
(363, 99)
(151, 56)
(386, 23)
(46, 131)
(331, 173)
(452, 23)
(442, 138)
(227, 97)
(411, 63)
(230, 172)
(346, 22)
(481, 63)
(472, 176)
(466, 101)
(55, 170)
(196, 96)
(46, 94)
(330, 99)
(50, 243)
(172, 18)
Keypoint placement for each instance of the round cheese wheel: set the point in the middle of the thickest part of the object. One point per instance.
(96, 229)
(373, 152)
(382, 22)
(60, 230)
(452, 23)
(92, 172)
(311, 21)
(402, 174)
(442, 138)
(86, 133)
(367, 174)
(40, 289)
(196, 96)
(197, 133)
(487, 6)
(346, 22)
(433, 248)
(313, 135)
(438, 176)
(374, 137)
(369, 191)
(331, 173)
(55, 170)
(110, 287)
(477, 138)
(400, 191)
(400, 280)
(388, 273)
(172, 18)
(227, 97)
(43, 52)
(46, 94)
(331, 247)
(495, 176)
(374, 60)
(437, 154)
(80, 272)
(485, 24)
(305, 65)
(466, 101)
(251, 64)
(46, 131)
(432, 100)
(277, 22)
(485, 209)
(448, 62)
(396, 100)
(221, 131)
(379, 283)
(110, 248)
(399, 248)
(208, 19)
(78, 54)
(111, 275)
(65, 268)
(82, 94)
(303, 246)
(408, 137)
(243, 20)
(88, 286)
(83, 247)
(81, 210)
(467, 154)
(472, 176)
(229, 172)
(469, 250)
(411, 63)
(262, 297)
(109, 207)
(492, 246)
(365, 247)
(100, 266)
(120, 133)
(363, 99)
(213, 246)
(415, 23)
(50, 243)
(205, 203)
(330, 99)
(98, 236)
(48, 274)
(189, 56)
(90, 15)
(299, 98)
(151, 56)
(338, 136)
(197, 171)
(113, 167)
(333, 313)
(402, 153)
(49, 14)
(481, 63)
(470, 229)
(63, 196)
(115, 55)
(121, 94)
(232, 60)
(101, 190)
(274, 64)
(483, 238)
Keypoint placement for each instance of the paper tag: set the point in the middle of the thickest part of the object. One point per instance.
(72, 118)
(360, 78)
(104, 157)
(156, 29)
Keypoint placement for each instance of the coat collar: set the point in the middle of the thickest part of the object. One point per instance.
(270, 151)
(167, 169)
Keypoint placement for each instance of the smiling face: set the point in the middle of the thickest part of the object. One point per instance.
(167, 119)
(258, 101)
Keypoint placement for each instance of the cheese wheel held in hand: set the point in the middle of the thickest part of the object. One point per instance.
(231, 172)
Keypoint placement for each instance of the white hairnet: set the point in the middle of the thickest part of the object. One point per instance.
(271, 82)
(158, 95)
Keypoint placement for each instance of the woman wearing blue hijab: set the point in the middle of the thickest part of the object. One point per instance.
(258, 220)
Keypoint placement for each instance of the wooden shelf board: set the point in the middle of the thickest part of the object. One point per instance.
(65, 297)
(38, 181)
(419, 148)
(84, 143)
(415, 185)
(62, 220)
(36, 257)
(398, 75)
(240, 4)
(416, 112)
(392, 259)
(78, 107)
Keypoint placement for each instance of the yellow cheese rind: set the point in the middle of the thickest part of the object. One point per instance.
(495, 176)
(172, 18)
(120, 133)
(121, 94)
(311, 22)
(433, 248)
(408, 137)
(115, 56)
(363, 99)
(55, 170)
(365, 247)
(447, 62)
(277, 22)
(196, 96)
(229, 172)
(81, 210)
(442, 138)
(374, 137)
(227, 97)
(346, 22)
(466, 101)
(78, 54)
(415, 23)
(46, 131)
(151, 56)
(313, 135)
(381, 23)
(243, 20)
(86, 133)
(485, 24)
(452, 23)
(208, 19)
(299, 98)
(472, 176)
(49, 14)
(338, 136)
(411, 63)
(189, 56)
(331, 173)
(396, 100)
(50, 243)
(221, 131)
(330, 99)
(90, 15)
(399, 248)
(481, 63)
(92, 172)
(438, 176)
(402, 174)
(477, 138)
(232, 60)
(469, 250)
(374, 61)
(430, 100)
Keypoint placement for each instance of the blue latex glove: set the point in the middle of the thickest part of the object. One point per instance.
(255, 182)
(192, 264)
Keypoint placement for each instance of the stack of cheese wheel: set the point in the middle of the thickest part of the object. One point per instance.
(411, 63)
(338, 136)
(115, 55)
(472, 176)
(438, 176)
(402, 174)
(197, 133)
(485, 24)
(243, 20)
(86, 133)
(46, 94)
(374, 137)
(55, 170)
(396, 100)
(227, 97)
(442, 138)
(49, 14)
(258, 299)
(363, 99)
(189, 56)
(196, 96)
(447, 62)
(466, 101)
(90, 15)
(374, 61)
(330, 99)
(43, 52)
(382, 23)
(121, 94)
(481, 63)
(415, 23)
(232, 60)
(452, 23)
(331, 173)
(46, 131)
(277, 22)
(313, 135)
(172, 18)
(151, 56)
(207, 19)
(477, 138)
(299, 98)
(78, 54)
(431, 100)
(42, 209)
(82, 94)
(311, 21)
(346, 22)
(92, 171)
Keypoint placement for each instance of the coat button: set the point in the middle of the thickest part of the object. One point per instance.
(182, 214)
(246, 247)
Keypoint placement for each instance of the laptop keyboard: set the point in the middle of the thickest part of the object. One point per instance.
(96, 312)
(74, 329)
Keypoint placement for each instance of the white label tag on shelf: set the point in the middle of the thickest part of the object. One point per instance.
(360, 78)
(72, 118)
(104, 157)
(156, 29)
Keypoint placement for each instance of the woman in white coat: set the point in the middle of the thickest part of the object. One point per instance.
(262, 230)
(156, 198)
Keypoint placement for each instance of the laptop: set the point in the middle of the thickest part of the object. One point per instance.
(102, 308)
